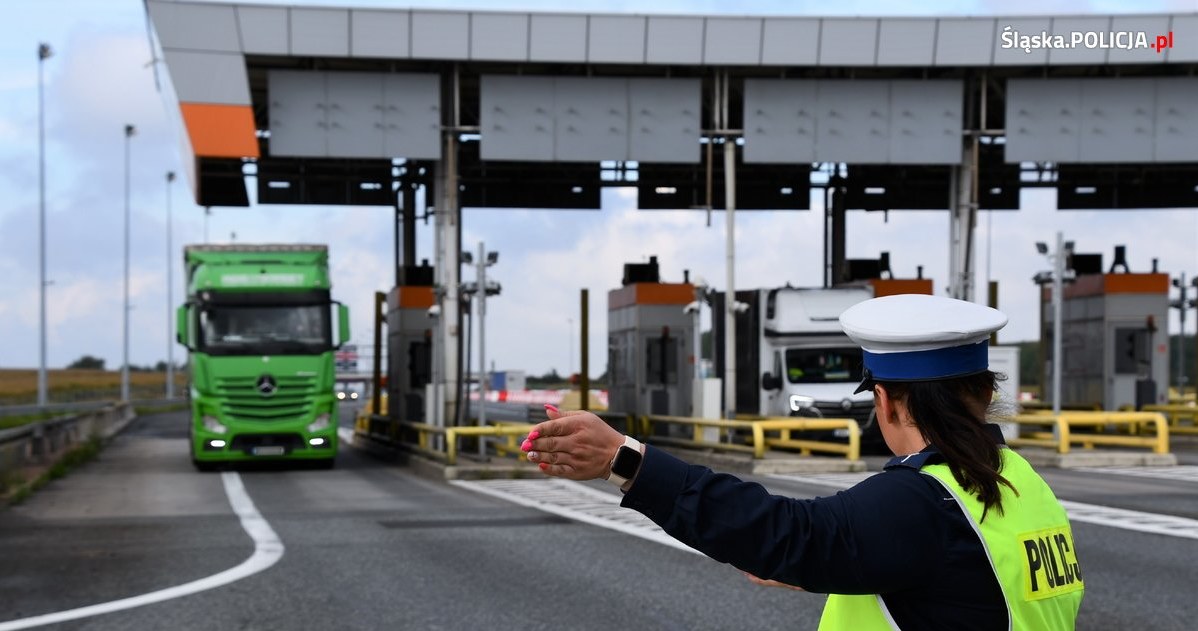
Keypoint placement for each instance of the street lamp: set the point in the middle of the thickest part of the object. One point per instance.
(1181, 304)
(43, 53)
(483, 288)
(129, 131)
(170, 338)
(1063, 250)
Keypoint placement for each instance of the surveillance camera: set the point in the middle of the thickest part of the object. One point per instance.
(740, 307)
(700, 283)
(692, 307)
(434, 311)
(1042, 247)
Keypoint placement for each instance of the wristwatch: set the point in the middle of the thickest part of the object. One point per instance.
(626, 463)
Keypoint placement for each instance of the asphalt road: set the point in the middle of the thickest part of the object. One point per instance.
(369, 545)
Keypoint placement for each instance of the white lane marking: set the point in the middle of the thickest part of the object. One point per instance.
(576, 501)
(268, 549)
(1110, 517)
(1184, 473)
(346, 435)
(1132, 520)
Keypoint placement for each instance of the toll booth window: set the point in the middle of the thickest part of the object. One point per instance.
(662, 356)
(823, 365)
(1131, 350)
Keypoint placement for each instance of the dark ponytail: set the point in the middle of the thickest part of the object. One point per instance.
(951, 414)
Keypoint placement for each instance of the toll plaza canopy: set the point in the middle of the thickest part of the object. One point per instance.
(346, 106)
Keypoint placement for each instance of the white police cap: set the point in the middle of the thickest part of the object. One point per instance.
(916, 337)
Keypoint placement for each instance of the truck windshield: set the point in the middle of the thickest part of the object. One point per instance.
(823, 365)
(265, 330)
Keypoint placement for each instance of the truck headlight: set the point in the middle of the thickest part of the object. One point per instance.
(213, 425)
(321, 422)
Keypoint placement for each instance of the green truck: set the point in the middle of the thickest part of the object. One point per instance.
(258, 325)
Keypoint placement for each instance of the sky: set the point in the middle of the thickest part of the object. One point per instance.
(100, 78)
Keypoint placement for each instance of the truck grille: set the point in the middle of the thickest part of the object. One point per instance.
(240, 398)
(859, 412)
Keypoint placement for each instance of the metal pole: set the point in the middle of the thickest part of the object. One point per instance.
(129, 129)
(207, 214)
(1058, 271)
(730, 301)
(170, 342)
(569, 346)
(43, 52)
(584, 359)
(482, 340)
(697, 355)
(1181, 335)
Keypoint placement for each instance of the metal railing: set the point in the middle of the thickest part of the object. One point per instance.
(442, 443)
(781, 434)
(1062, 433)
(1176, 414)
(42, 442)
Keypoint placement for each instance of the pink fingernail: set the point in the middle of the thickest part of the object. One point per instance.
(526, 445)
(550, 406)
(543, 466)
(534, 434)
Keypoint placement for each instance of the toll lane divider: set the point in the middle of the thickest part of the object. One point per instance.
(1061, 433)
(1177, 415)
(442, 443)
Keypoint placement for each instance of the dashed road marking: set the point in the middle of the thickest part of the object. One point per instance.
(268, 549)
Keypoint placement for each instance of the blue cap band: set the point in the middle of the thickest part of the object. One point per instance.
(940, 363)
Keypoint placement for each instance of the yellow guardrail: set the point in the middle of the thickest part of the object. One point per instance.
(1176, 414)
(425, 434)
(1065, 435)
(766, 433)
(760, 441)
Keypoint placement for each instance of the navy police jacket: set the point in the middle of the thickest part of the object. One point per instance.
(896, 533)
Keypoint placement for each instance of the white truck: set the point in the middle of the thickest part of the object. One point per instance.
(793, 359)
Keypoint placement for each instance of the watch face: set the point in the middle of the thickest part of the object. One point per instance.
(628, 460)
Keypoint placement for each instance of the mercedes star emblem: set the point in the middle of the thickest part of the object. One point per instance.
(846, 404)
(266, 385)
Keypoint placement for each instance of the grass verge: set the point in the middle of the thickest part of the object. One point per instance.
(17, 489)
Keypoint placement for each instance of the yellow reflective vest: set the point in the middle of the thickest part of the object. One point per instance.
(1030, 547)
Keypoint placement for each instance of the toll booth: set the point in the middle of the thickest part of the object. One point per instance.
(650, 343)
(410, 343)
(1114, 335)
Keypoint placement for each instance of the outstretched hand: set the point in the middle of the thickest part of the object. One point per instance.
(575, 445)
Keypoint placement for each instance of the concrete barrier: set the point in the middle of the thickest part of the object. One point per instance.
(41, 444)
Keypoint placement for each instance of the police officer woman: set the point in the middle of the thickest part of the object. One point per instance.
(957, 532)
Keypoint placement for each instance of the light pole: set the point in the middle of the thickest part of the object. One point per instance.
(1057, 257)
(570, 347)
(483, 288)
(1181, 304)
(43, 53)
(129, 131)
(170, 342)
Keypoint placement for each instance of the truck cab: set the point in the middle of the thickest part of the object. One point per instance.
(808, 366)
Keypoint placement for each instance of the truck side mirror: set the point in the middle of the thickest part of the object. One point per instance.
(342, 324)
(183, 326)
(770, 381)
